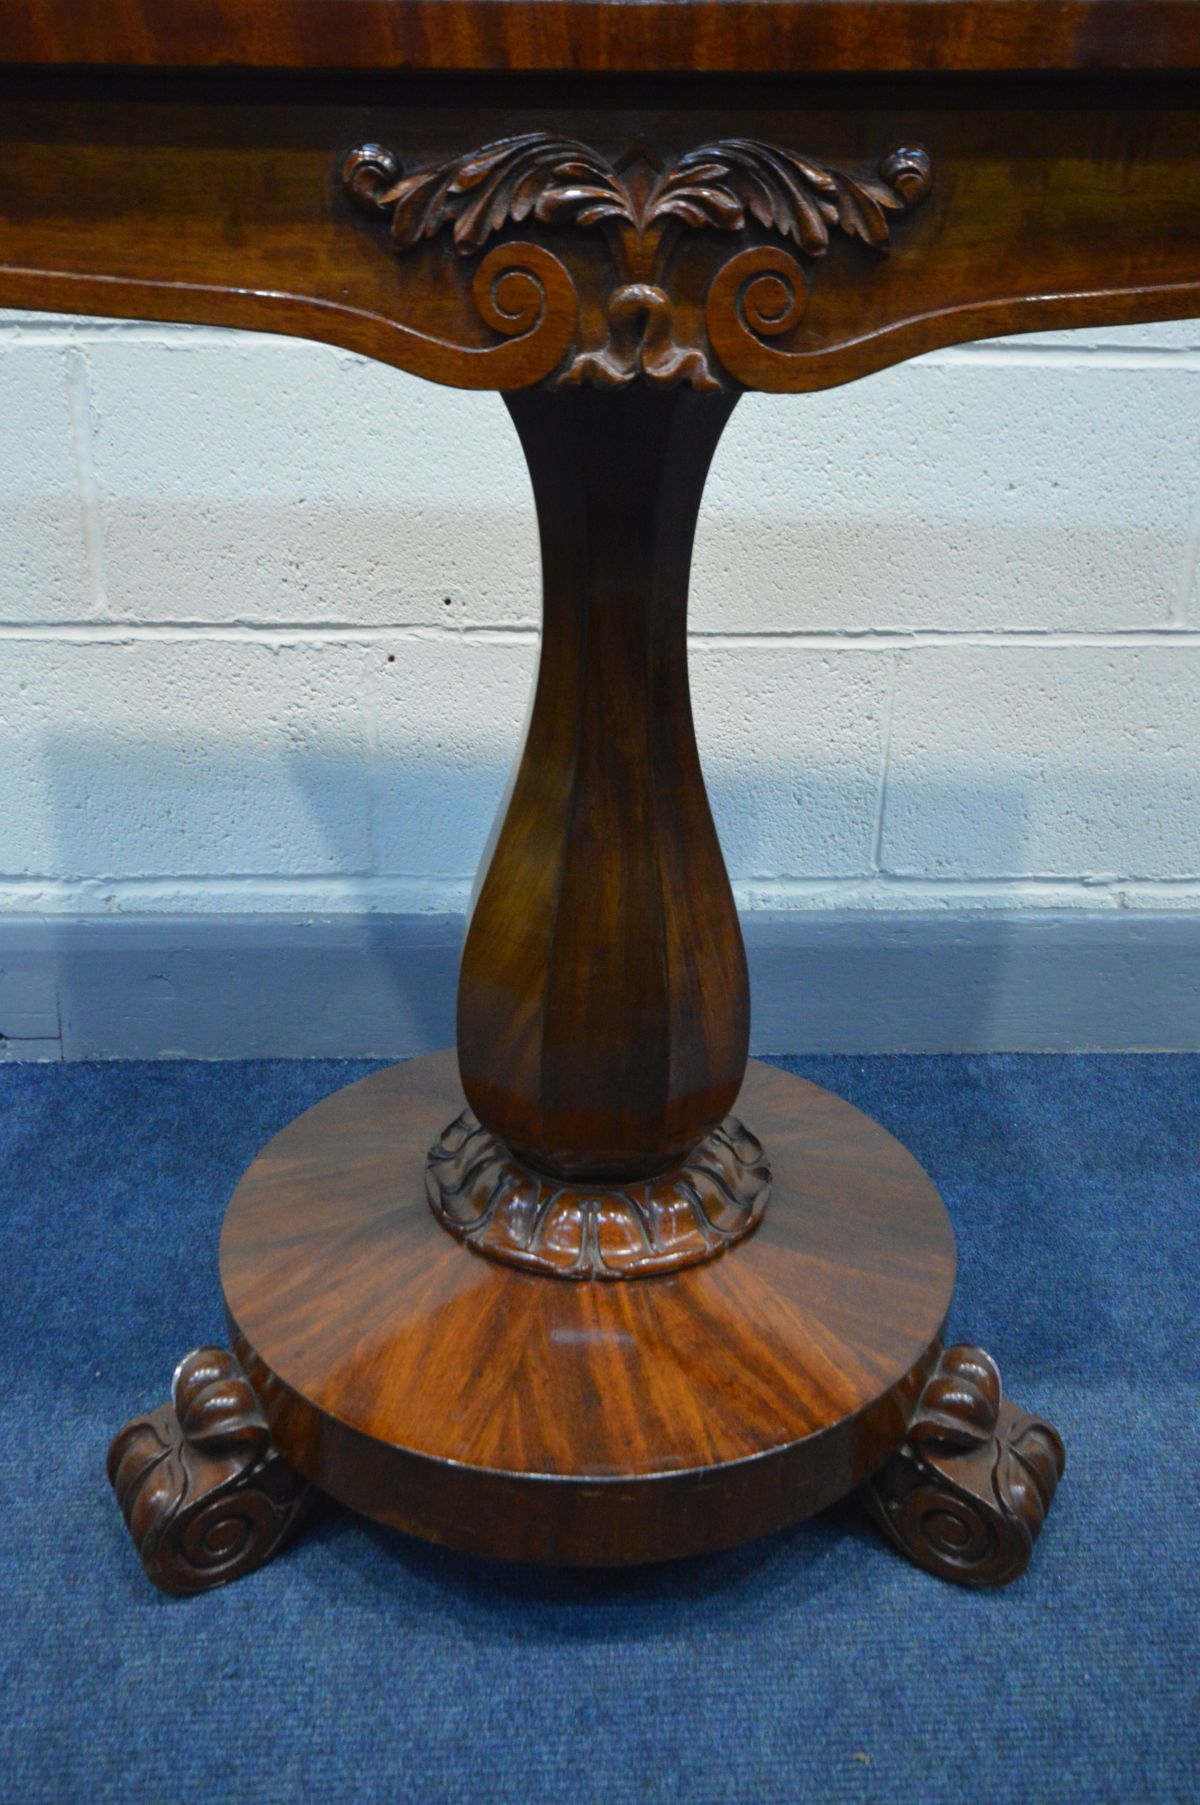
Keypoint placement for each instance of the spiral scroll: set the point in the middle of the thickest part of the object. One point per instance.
(967, 1493)
(759, 294)
(520, 290)
(526, 295)
(641, 205)
(204, 1493)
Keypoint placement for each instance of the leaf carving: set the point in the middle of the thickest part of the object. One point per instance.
(758, 293)
(557, 179)
(561, 182)
(717, 184)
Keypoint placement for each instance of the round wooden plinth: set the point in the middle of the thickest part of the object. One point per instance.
(544, 1419)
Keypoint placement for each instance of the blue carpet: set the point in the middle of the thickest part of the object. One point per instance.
(815, 1666)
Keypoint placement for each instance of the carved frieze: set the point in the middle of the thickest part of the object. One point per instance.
(779, 210)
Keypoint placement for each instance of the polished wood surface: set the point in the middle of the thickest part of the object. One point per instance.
(642, 323)
(966, 1494)
(604, 1008)
(575, 1229)
(651, 36)
(534, 1419)
(204, 1493)
(220, 198)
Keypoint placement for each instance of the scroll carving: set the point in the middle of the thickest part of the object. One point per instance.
(204, 1493)
(967, 1493)
(641, 207)
(504, 1210)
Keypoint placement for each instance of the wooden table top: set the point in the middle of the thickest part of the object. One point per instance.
(609, 36)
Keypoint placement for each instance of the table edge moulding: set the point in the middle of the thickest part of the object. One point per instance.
(652, 37)
(594, 1288)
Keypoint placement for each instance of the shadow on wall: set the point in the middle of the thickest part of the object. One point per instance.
(379, 979)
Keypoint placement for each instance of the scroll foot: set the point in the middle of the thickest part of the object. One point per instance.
(204, 1492)
(966, 1493)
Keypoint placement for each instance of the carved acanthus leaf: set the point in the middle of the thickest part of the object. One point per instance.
(726, 186)
(557, 180)
(716, 184)
(561, 181)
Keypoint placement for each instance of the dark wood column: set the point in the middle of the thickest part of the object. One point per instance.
(603, 1009)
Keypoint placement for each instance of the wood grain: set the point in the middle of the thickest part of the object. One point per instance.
(218, 198)
(966, 1494)
(530, 1418)
(507, 1211)
(641, 205)
(652, 36)
(204, 1494)
(603, 1010)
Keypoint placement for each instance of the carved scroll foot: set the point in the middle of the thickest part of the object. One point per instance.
(203, 1491)
(966, 1493)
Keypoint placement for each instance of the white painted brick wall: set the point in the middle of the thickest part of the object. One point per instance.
(268, 623)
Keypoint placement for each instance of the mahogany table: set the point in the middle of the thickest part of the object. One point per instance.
(596, 1290)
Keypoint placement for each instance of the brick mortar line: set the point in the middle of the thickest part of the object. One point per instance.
(109, 632)
(1100, 357)
(1181, 603)
(885, 762)
(176, 337)
(82, 416)
(1097, 885)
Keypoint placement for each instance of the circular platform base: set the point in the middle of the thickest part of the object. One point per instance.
(543, 1419)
